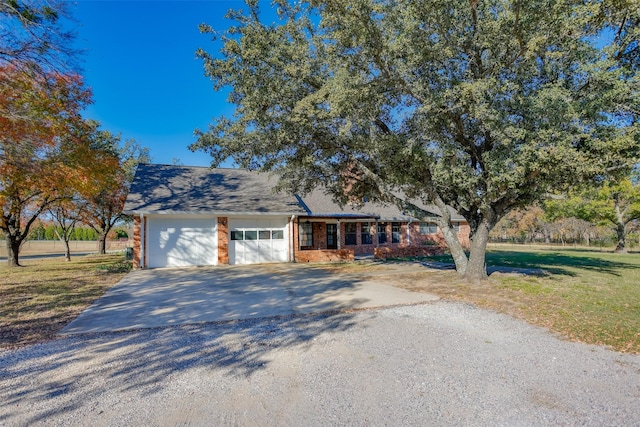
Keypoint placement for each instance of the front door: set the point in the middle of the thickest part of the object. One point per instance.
(332, 236)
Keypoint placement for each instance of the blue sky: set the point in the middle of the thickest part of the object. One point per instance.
(147, 84)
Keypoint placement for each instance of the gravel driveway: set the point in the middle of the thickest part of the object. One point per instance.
(439, 363)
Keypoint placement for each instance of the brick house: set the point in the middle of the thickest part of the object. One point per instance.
(201, 216)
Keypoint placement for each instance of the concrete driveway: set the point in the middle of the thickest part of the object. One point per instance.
(166, 297)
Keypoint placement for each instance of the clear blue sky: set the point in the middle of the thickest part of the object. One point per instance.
(147, 84)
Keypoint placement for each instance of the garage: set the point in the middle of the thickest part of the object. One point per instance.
(254, 241)
(180, 241)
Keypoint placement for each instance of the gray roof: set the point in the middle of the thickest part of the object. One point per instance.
(188, 189)
(166, 189)
(320, 204)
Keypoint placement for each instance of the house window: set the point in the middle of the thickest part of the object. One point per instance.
(395, 232)
(350, 233)
(306, 235)
(277, 234)
(264, 234)
(382, 232)
(456, 227)
(251, 235)
(237, 235)
(365, 233)
(428, 228)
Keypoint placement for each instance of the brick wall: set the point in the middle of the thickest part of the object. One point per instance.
(412, 243)
(406, 251)
(136, 241)
(325, 255)
(223, 240)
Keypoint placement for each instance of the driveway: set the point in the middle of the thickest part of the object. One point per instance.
(167, 297)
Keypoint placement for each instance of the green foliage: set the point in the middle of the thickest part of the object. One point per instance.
(482, 106)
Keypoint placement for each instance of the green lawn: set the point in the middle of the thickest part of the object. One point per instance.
(586, 295)
(40, 298)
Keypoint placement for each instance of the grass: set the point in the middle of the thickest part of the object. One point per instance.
(40, 298)
(585, 295)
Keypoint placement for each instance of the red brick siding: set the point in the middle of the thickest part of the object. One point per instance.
(325, 255)
(136, 242)
(406, 251)
(223, 240)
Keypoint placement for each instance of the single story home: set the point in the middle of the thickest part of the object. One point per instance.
(194, 216)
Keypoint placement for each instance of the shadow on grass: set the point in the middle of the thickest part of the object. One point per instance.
(541, 263)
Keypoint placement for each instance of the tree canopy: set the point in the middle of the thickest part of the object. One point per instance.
(484, 106)
(32, 37)
(44, 153)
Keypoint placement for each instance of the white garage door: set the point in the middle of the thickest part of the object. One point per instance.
(179, 242)
(255, 241)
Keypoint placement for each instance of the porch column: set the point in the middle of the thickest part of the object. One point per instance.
(142, 240)
(375, 229)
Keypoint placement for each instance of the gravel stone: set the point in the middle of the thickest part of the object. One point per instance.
(440, 363)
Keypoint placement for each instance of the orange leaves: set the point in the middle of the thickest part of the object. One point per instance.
(43, 152)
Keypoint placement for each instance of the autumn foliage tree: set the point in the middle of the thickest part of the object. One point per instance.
(42, 150)
(102, 205)
(33, 38)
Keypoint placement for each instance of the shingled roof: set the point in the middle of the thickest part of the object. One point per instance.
(187, 189)
(170, 189)
(320, 204)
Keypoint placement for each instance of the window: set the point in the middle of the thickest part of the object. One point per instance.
(395, 232)
(456, 227)
(306, 235)
(365, 233)
(350, 233)
(382, 232)
(428, 228)
(264, 234)
(257, 234)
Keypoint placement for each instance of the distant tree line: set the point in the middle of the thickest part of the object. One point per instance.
(83, 233)
(606, 215)
(533, 225)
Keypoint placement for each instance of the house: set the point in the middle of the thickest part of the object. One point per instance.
(192, 216)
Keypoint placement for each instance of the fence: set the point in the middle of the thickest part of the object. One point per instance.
(43, 247)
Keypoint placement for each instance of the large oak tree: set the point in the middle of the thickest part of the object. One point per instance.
(484, 106)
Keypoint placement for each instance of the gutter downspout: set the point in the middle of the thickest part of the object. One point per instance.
(292, 257)
(409, 231)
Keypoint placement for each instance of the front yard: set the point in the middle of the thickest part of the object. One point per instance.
(40, 298)
(587, 296)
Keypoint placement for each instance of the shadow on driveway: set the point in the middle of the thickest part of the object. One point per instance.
(168, 297)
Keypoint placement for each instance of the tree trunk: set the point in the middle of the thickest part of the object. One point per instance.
(13, 251)
(102, 244)
(64, 238)
(67, 250)
(477, 265)
(621, 247)
(457, 251)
